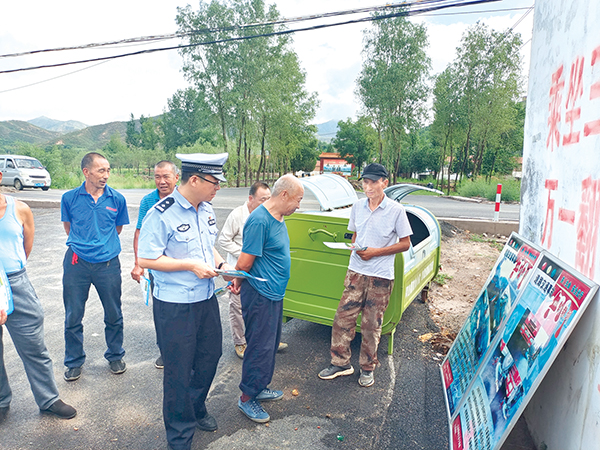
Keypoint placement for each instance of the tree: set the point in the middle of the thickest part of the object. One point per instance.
(393, 82)
(356, 141)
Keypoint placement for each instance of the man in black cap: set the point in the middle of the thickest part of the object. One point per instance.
(177, 242)
(381, 227)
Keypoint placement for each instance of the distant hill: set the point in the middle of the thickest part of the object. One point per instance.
(60, 126)
(326, 131)
(13, 131)
(94, 137)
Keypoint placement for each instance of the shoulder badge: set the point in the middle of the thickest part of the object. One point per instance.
(165, 204)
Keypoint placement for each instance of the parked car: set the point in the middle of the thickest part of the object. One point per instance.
(23, 171)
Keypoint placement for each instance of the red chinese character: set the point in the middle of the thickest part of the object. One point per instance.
(551, 185)
(554, 109)
(587, 227)
(593, 127)
(574, 93)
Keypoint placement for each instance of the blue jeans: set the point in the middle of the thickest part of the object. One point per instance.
(78, 276)
(26, 327)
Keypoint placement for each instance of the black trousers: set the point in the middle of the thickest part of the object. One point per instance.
(262, 318)
(190, 341)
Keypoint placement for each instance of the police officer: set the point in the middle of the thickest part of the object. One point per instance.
(177, 243)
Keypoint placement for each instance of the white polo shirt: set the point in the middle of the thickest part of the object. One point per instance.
(380, 228)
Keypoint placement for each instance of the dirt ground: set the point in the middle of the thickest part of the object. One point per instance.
(466, 262)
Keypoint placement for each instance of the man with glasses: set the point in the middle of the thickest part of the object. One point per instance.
(177, 242)
(166, 176)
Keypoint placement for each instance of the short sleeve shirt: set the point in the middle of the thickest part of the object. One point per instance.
(267, 238)
(93, 225)
(147, 202)
(179, 231)
(380, 228)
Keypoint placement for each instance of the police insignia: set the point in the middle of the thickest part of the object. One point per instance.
(165, 204)
(183, 227)
(211, 221)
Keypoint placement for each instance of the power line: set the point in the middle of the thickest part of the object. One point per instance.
(436, 5)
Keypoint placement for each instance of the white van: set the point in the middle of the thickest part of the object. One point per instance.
(23, 171)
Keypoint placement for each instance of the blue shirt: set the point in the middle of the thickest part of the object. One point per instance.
(147, 202)
(380, 228)
(267, 238)
(93, 235)
(180, 232)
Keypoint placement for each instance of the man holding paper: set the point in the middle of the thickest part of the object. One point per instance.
(177, 242)
(381, 229)
(265, 254)
(26, 322)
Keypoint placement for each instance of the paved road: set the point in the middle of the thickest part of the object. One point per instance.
(403, 410)
(229, 198)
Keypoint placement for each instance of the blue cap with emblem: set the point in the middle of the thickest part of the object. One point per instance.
(211, 164)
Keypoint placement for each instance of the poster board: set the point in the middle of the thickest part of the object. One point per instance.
(495, 302)
(544, 315)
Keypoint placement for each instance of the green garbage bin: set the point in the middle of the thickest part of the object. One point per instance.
(317, 272)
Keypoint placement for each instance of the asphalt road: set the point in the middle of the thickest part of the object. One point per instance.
(403, 410)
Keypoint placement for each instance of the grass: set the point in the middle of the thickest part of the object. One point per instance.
(492, 242)
(442, 278)
(511, 189)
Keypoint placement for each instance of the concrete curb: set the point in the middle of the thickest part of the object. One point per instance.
(478, 226)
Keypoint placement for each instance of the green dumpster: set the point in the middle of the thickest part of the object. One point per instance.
(317, 272)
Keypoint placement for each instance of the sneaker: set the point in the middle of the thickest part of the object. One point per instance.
(72, 373)
(117, 367)
(253, 411)
(267, 395)
(366, 378)
(239, 350)
(335, 371)
(61, 409)
(207, 423)
(159, 363)
(282, 346)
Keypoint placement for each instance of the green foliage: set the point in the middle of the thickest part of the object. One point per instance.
(442, 278)
(511, 189)
(356, 142)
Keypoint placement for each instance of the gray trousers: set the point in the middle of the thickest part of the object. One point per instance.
(26, 328)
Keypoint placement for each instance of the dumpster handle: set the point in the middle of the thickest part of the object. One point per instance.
(312, 231)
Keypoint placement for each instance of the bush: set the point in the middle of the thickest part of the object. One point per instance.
(511, 189)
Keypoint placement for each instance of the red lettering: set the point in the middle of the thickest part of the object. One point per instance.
(554, 110)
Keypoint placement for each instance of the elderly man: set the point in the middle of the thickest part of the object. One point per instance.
(166, 176)
(230, 240)
(26, 322)
(93, 216)
(381, 226)
(265, 254)
(177, 243)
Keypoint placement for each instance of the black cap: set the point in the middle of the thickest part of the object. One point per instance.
(374, 172)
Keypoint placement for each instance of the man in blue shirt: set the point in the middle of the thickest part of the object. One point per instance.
(166, 176)
(265, 254)
(93, 215)
(177, 242)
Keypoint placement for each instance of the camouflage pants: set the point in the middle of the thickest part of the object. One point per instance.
(369, 295)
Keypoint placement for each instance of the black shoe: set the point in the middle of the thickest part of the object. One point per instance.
(332, 372)
(159, 363)
(117, 367)
(62, 410)
(4, 413)
(72, 373)
(207, 423)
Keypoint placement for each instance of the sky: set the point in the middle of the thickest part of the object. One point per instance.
(97, 93)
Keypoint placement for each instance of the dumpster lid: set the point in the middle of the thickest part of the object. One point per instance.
(398, 191)
(332, 191)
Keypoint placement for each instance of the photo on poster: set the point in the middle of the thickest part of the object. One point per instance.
(544, 316)
(493, 305)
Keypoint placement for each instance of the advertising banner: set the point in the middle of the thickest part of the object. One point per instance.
(545, 313)
(493, 305)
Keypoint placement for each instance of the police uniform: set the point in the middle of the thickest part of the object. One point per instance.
(186, 311)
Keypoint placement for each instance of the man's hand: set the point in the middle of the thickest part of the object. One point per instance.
(3, 317)
(236, 286)
(137, 273)
(201, 269)
(227, 267)
(367, 254)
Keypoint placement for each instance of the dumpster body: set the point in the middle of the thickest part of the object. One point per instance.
(317, 272)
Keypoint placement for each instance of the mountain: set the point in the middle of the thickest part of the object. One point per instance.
(92, 138)
(60, 126)
(12, 131)
(326, 131)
